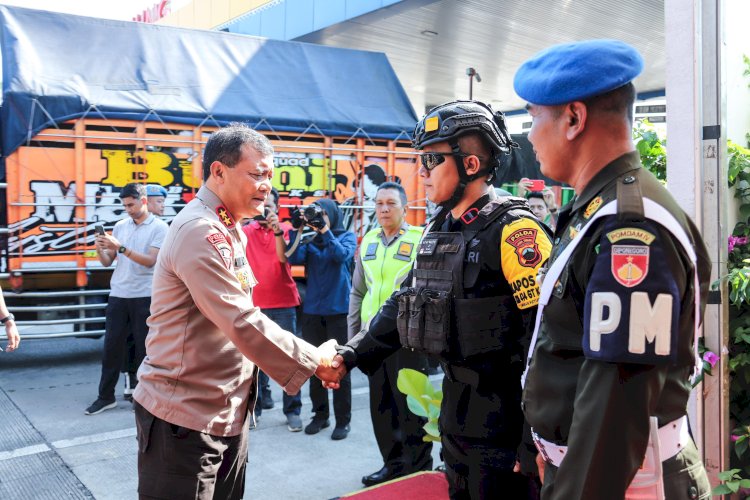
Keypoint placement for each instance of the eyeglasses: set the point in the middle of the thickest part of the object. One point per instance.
(432, 160)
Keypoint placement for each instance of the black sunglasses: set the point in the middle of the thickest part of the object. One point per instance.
(432, 160)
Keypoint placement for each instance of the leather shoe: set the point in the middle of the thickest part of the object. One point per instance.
(381, 476)
(316, 425)
(340, 433)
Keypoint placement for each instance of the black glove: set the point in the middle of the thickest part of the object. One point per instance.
(317, 222)
(296, 218)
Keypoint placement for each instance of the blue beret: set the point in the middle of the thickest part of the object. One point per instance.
(576, 71)
(155, 190)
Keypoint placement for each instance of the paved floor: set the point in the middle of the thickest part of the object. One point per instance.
(50, 450)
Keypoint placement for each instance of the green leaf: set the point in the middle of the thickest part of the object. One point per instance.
(431, 428)
(745, 483)
(740, 446)
(413, 383)
(727, 474)
(415, 406)
(733, 486)
(721, 490)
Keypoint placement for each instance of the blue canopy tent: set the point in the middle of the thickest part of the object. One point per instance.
(58, 67)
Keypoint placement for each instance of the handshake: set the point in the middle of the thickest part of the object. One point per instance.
(331, 369)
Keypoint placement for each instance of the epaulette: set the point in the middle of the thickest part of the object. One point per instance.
(629, 198)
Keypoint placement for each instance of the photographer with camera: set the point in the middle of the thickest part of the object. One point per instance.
(327, 257)
(276, 293)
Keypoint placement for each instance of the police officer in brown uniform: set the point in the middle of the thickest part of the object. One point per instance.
(469, 299)
(608, 384)
(207, 339)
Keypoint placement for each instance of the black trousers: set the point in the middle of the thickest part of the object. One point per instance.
(317, 329)
(179, 463)
(477, 470)
(123, 316)
(398, 431)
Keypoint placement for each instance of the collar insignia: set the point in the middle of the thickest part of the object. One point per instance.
(225, 217)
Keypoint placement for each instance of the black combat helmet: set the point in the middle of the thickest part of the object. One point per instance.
(449, 121)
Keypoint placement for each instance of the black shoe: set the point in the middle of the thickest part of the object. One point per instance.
(99, 406)
(381, 476)
(340, 432)
(267, 402)
(316, 425)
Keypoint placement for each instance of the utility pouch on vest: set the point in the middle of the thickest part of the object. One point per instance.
(483, 323)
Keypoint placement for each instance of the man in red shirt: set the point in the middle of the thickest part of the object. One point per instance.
(276, 293)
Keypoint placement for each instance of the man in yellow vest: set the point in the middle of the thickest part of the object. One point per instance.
(385, 258)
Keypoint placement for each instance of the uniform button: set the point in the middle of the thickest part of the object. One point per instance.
(693, 493)
(629, 179)
(558, 288)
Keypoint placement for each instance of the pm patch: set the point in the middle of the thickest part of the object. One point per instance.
(629, 264)
(404, 251)
(631, 312)
(220, 243)
(527, 250)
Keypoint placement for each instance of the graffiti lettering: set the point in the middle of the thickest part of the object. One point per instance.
(124, 167)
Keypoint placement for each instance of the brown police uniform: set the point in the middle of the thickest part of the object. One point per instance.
(206, 342)
(598, 373)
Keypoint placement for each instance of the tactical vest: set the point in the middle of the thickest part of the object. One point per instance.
(449, 311)
(385, 267)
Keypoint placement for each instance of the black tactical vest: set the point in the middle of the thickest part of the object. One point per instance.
(460, 304)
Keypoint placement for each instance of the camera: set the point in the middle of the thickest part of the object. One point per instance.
(311, 215)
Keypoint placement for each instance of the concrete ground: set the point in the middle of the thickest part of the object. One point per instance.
(50, 450)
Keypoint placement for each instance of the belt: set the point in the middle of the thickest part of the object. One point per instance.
(673, 437)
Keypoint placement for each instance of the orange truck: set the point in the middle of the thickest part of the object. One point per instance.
(138, 107)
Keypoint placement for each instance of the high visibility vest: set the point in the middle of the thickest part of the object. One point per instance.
(385, 267)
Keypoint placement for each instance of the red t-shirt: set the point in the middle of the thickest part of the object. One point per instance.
(276, 287)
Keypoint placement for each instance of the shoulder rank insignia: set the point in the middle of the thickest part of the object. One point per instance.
(404, 251)
(593, 207)
(527, 250)
(630, 233)
(225, 217)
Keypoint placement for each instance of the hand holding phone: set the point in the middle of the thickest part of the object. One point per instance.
(99, 229)
(535, 185)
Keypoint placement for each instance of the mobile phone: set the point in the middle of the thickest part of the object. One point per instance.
(536, 185)
(99, 230)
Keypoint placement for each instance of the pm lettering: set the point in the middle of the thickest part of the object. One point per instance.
(647, 322)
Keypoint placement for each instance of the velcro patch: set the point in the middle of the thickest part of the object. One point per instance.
(220, 243)
(372, 250)
(523, 248)
(431, 124)
(470, 215)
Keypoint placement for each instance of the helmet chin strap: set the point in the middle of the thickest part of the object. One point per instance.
(463, 179)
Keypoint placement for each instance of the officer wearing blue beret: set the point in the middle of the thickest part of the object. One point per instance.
(608, 381)
(157, 196)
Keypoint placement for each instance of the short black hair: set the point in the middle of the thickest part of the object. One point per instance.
(225, 145)
(133, 190)
(535, 194)
(618, 101)
(397, 187)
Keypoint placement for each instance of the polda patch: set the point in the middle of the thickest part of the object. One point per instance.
(630, 264)
(527, 250)
(220, 243)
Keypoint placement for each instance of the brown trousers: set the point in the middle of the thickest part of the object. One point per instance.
(179, 463)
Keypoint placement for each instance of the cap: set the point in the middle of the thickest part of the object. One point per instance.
(156, 190)
(577, 71)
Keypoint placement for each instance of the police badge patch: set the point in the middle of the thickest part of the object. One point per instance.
(220, 243)
(629, 264)
(524, 241)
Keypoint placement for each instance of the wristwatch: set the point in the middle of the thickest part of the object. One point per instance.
(9, 317)
(122, 249)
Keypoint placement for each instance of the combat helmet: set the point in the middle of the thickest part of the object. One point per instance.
(449, 121)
